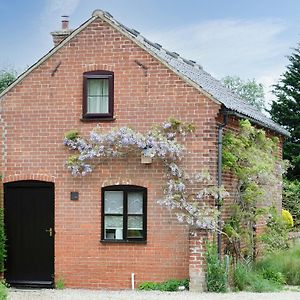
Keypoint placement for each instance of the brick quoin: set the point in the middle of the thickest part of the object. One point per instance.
(48, 102)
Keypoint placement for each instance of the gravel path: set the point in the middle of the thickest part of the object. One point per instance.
(72, 294)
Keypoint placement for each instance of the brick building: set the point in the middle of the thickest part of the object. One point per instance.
(104, 73)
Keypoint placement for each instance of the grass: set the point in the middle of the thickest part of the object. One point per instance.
(285, 262)
(59, 284)
(247, 278)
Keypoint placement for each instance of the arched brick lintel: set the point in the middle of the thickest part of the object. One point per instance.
(127, 181)
(18, 177)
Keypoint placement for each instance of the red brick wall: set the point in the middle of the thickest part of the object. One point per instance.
(47, 103)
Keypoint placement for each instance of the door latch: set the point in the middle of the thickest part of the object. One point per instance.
(50, 231)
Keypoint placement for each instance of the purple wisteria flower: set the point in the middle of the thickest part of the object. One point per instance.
(166, 125)
(158, 143)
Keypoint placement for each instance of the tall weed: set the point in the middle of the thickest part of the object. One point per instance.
(216, 277)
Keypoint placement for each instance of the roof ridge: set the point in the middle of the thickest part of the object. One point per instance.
(100, 13)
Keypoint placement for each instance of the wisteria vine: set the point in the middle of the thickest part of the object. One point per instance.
(193, 208)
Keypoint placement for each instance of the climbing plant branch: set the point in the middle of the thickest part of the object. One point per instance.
(253, 158)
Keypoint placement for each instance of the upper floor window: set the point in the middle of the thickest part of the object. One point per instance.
(98, 95)
(124, 213)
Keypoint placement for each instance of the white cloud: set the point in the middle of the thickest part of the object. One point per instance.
(62, 6)
(53, 11)
(50, 19)
(249, 49)
(268, 79)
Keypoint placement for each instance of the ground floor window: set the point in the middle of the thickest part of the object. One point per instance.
(124, 213)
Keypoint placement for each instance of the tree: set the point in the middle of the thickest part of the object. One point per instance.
(6, 78)
(249, 90)
(286, 111)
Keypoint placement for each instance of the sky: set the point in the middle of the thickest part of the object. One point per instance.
(250, 39)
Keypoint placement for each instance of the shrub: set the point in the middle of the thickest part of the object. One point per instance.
(216, 277)
(287, 218)
(171, 285)
(149, 286)
(275, 236)
(291, 199)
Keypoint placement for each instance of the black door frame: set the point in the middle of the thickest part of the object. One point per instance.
(33, 184)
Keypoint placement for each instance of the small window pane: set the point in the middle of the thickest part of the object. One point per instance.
(135, 227)
(135, 234)
(135, 203)
(135, 222)
(113, 202)
(98, 96)
(113, 227)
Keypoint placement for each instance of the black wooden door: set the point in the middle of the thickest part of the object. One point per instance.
(29, 223)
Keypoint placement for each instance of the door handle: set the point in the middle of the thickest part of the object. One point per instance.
(50, 231)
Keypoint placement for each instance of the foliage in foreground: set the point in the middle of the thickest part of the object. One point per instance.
(216, 276)
(269, 274)
(3, 291)
(241, 277)
(285, 262)
(247, 278)
(171, 285)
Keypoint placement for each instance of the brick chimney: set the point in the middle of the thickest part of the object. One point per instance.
(60, 35)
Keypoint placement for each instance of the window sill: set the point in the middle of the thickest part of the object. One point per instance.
(108, 119)
(122, 242)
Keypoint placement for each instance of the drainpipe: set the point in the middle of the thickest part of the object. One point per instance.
(219, 177)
